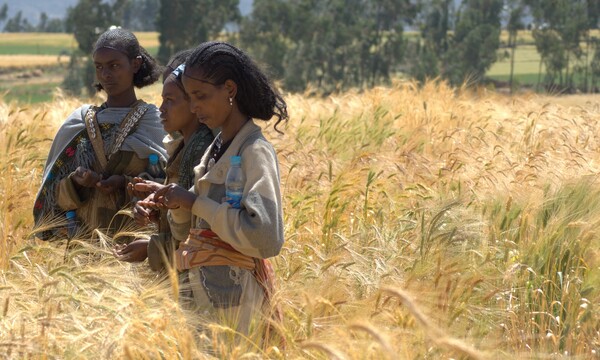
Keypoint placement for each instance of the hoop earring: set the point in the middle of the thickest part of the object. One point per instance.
(230, 101)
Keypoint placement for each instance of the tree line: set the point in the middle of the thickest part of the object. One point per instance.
(334, 45)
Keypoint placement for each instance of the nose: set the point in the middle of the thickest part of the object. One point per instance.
(105, 73)
(193, 107)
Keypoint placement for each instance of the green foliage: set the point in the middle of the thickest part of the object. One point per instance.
(324, 44)
(4, 12)
(50, 25)
(72, 82)
(18, 24)
(140, 15)
(562, 26)
(434, 25)
(476, 39)
(87, 20)
(80, 76)
(186, 23)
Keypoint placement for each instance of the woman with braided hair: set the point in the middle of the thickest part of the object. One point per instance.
(186, 143)
(98, 149)
(224, 249)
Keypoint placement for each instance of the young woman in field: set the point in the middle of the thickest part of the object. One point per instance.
(98, 149)
(185, 152)
(223, 250)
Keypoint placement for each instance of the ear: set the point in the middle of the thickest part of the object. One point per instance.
(231, 88)
(136, 64)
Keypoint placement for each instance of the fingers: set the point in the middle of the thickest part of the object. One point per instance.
(147, 186)
(120, 251)
(111, 184)
(141, 215)
(135, 251)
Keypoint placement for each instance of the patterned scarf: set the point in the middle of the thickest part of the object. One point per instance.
(72, 148)
(193, 154)
(78, 152)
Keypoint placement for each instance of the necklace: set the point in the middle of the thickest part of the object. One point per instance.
(215, 152)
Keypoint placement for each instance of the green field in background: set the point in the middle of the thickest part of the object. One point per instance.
(36, 43)
(29, 93)
(526, 69)
(55, 44)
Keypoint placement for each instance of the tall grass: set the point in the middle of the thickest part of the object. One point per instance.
(421, 223)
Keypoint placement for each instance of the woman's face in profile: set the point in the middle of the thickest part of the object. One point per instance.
(175, 108)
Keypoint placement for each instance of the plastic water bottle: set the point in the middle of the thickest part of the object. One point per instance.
(154, 168)
(234, 183)
(71, 223)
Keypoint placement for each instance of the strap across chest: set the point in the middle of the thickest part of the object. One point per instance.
(127, 127)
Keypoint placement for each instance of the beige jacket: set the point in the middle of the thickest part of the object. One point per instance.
(256, 229)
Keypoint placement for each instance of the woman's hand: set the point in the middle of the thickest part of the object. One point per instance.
(142, 215)
(135, 251)
(110, 185)
(170, 196)
(135, 193)
(85, 177)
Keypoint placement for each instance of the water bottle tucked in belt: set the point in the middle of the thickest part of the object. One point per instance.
(234, 183)
(154, 167)
(71, 216)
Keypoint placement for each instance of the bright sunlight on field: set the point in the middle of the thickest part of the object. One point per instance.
(421, 223)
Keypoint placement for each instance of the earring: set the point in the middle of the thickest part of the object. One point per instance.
(230, 101)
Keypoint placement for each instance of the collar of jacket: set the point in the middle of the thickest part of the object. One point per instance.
(218, 173)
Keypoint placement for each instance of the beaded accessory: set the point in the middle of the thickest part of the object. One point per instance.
(130, 121)
(123, 131)
(215, 152)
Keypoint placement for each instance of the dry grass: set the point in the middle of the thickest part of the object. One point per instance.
(28, 61)
(421, 223)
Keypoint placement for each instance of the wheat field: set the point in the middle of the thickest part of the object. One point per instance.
(421, 223)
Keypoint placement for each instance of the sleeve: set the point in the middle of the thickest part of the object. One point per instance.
(257, 228)
(69, 196)
(179, 222)
(157, 252)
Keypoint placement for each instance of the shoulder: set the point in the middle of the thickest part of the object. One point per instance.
(253, 136)
(77, 116)
(151, 111)
(258, 149)
(80, 111)
(200, 141)
(150, 116)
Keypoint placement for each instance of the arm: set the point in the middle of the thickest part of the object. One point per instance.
(257, 228)
(75, 189)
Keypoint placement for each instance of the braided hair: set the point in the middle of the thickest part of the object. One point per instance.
(125, 42)
(256, 96)
(176, 62)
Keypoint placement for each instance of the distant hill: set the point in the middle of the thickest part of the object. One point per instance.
(32, 9)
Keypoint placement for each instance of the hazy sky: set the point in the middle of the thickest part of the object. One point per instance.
(32, 9)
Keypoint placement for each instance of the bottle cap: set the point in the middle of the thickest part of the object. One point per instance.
(235, 160)
(153, 159)
(71, 214)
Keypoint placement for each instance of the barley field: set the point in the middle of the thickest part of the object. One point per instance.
(421, 223)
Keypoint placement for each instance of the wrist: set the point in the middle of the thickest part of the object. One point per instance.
(189, 200)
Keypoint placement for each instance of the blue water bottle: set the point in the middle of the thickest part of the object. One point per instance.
(154, 168)
(234, 183)
(71, 223)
